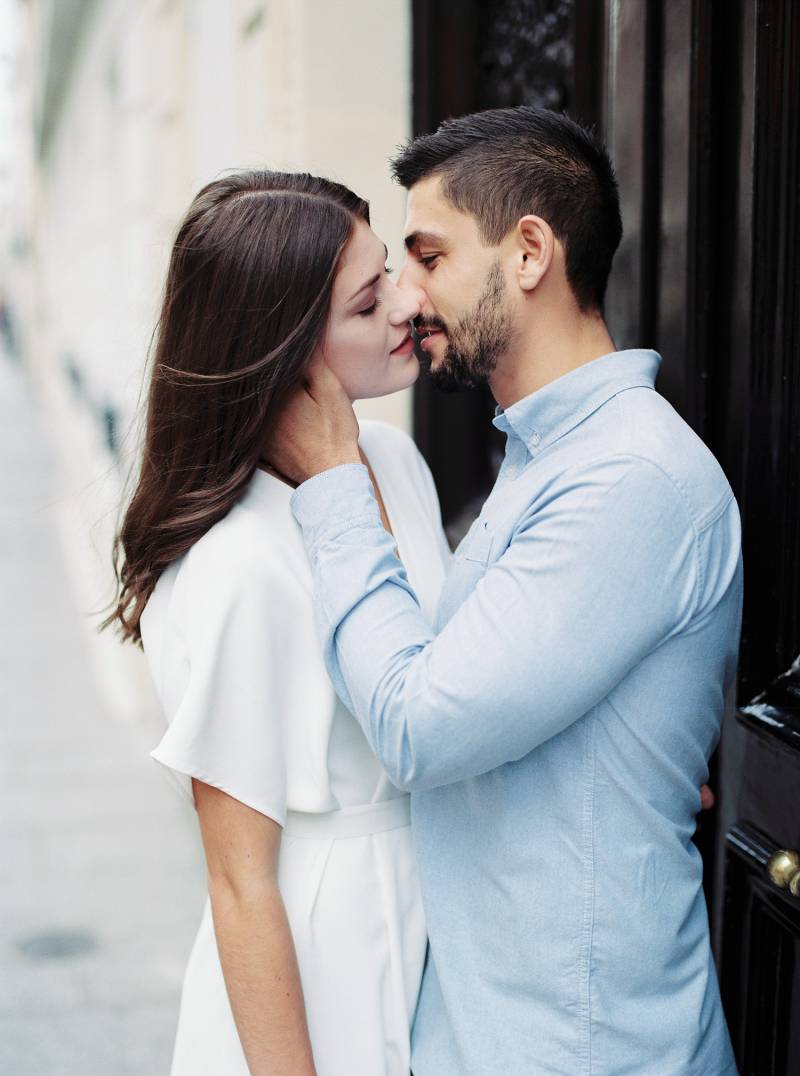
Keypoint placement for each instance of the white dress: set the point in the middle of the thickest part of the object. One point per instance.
(230, 638)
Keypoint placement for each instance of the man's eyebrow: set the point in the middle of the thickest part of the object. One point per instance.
(414, 239)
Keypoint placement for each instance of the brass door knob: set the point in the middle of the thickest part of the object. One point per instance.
(783, 868)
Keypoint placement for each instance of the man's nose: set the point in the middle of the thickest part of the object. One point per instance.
(409, 302)
(401, 279)
(409, 275)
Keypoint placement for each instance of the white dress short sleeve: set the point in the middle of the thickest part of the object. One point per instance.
(231, 641)
(235, 658)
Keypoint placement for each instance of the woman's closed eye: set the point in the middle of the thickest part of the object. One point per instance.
(371, 309)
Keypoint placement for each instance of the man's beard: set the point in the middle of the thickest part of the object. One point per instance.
(477, 341)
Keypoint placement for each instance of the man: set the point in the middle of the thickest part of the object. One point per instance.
(555, 725)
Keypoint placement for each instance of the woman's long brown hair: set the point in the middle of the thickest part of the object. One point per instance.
(245, 304)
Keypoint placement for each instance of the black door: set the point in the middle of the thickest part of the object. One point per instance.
(699, 102)
(758, 893)
(470, 55)
(702, 114)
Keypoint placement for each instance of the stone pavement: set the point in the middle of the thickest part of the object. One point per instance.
(102, 884)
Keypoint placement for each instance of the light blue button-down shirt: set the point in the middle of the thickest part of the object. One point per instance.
(554, 727)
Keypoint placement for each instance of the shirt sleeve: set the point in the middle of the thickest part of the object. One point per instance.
(229, 728)
(598, 573)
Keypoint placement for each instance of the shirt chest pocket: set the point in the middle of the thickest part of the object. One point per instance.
(477, 544)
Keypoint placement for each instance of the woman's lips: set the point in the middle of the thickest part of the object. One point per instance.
(405, 347)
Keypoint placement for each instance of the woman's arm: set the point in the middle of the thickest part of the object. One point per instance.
(253, 936)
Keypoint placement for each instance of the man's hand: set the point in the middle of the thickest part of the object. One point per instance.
(315, 427)
(707, 799)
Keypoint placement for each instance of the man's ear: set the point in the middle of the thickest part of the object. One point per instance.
(535, 243)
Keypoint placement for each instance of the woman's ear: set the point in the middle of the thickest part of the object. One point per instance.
(535, 243)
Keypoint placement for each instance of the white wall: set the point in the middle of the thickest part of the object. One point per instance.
(163, 96)
(17, 172)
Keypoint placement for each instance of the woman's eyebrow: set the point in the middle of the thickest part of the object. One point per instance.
(371, 281)
(368, 284)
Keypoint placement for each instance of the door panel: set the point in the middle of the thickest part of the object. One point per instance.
(762, 964)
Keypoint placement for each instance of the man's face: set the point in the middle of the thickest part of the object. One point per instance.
(466, 322)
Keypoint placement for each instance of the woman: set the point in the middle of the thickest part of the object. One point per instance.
(310, 952)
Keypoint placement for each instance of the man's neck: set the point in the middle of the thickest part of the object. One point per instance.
(551, 350)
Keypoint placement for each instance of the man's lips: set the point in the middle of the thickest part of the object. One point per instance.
(426, 336)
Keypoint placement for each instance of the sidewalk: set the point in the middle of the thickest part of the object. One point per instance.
(102, 880)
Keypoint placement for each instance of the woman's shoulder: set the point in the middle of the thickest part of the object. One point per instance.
(247, 550)
(395, 453)
(379, 434)
(389, 447)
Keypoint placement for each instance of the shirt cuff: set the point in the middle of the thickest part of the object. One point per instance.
(334, 502)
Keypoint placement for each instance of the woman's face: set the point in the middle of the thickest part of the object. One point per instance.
(367, 341)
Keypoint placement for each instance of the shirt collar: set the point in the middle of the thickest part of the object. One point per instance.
(550, 412)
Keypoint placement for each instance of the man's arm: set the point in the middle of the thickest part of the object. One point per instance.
(594, 579)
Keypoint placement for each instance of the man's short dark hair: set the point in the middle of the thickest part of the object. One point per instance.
(505, 163)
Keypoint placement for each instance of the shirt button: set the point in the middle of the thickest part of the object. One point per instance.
(536, 438)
